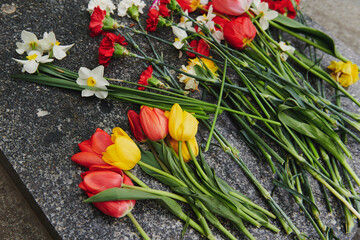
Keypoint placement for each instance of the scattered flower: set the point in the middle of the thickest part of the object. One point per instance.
(103, 4)
(262, 9)
(146, 78)
(152, 20)
(93, 81)
(131, 8)
(200, 47)
(285, 48)
(29, 42)
(34, 58)
(188, 5)
(100, 178)
(239, 32)
(231, 7)
(185, 23)
(135, 126)
(180, 35)
(100, 21)
(107, 47)
(207, 21)
(182, 125)
(124, 153)
(184, 149)
(344, 73)
(154, 123)
(284, 7)
(190, 82)
(50, 44)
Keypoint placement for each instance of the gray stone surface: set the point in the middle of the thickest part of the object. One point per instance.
(39, 148)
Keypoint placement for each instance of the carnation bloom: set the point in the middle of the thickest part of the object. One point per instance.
(189, 5)
(239, 32)
(100, 21)
(124, 153)
(91, 149)
(29, 43)
(34, 58)
(93, 79)
(344, 73)
(231, 7)
(49, 43)
(152, 20)
(182, 125)
(103, 4)
(184, 149)
(262, 9)
(284, 7)
(131, 8)
(107, 47)
(100, 178)
(145, 75)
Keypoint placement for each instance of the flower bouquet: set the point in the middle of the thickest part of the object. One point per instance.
(241, 62)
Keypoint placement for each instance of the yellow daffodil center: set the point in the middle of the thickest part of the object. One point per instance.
(32, 57)
(33, 45)
(57, 43)
(91, 82)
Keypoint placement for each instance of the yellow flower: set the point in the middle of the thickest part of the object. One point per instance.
(124, 153)
(207, 62)
(185, 151)
(345, 73)
(182, 125)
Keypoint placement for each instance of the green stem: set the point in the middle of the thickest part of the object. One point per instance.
(138, 227)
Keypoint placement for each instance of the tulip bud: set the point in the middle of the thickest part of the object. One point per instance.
(231, 7)
(239, 32)
(182, 125)
(135, 126)
(124, 153)
(184, 149)
(100, 178)
(154, 123)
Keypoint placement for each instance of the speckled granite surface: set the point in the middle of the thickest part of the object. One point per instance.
(39, 147)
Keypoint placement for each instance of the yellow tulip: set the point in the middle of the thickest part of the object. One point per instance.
(182, 125)
(345, 73)
(124, 153)
(184, 149)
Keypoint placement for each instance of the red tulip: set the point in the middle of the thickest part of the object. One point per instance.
(100, 178)
(91, 149)
(231, 7)
(154, 123)
(135, 125)
(239, 32)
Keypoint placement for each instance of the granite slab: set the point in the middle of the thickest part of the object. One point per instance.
(40, 127)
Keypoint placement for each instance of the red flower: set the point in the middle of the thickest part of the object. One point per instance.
(107, 47)
(284, 7)
(96, 21)
(239, 32)
(91, 149)
(200, 47)
(190, 5)
(135, 126)
(153, 20)
(145, 75)
(164, 11)
(100, 178)
(154, 123)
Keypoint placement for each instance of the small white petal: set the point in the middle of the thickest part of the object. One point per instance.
(58, 52)
(87, 93)
(264, 24)
(31, 66)
(101, 94)
(84, 73)
(28, 37)
(271, 15)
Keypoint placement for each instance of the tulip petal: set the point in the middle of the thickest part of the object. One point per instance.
(100, 140)
(86, 159)
(98, 181)
(85, 146)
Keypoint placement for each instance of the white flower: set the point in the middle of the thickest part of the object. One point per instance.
(285, 48)
(103, 4)
(94, 79)
(30, 42)
(262, 8)
(33, 59)
(185, 23)
(49, 43)
(124, 5)
(180, 35)
(190, 83)
(204, 2)
(207, 21)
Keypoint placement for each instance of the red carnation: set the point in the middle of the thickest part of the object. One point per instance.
(239, 32)
(153, 20)
(284, 7)
(200, 47)
(96, 21)
(145, 75)
(107, 47)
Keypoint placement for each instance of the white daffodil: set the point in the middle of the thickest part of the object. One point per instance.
(190, 83)
(262, 9)
(185, 23)
(93, 79)
(33, 59)
(180, 35)
(285, 48)
(49, 43)
(207, 21)
(30, 42)
(103, 4)
(124, 6)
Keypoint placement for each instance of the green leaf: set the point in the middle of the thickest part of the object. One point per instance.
(114, 194)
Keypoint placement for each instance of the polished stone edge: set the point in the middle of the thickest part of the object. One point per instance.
(28, 197)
